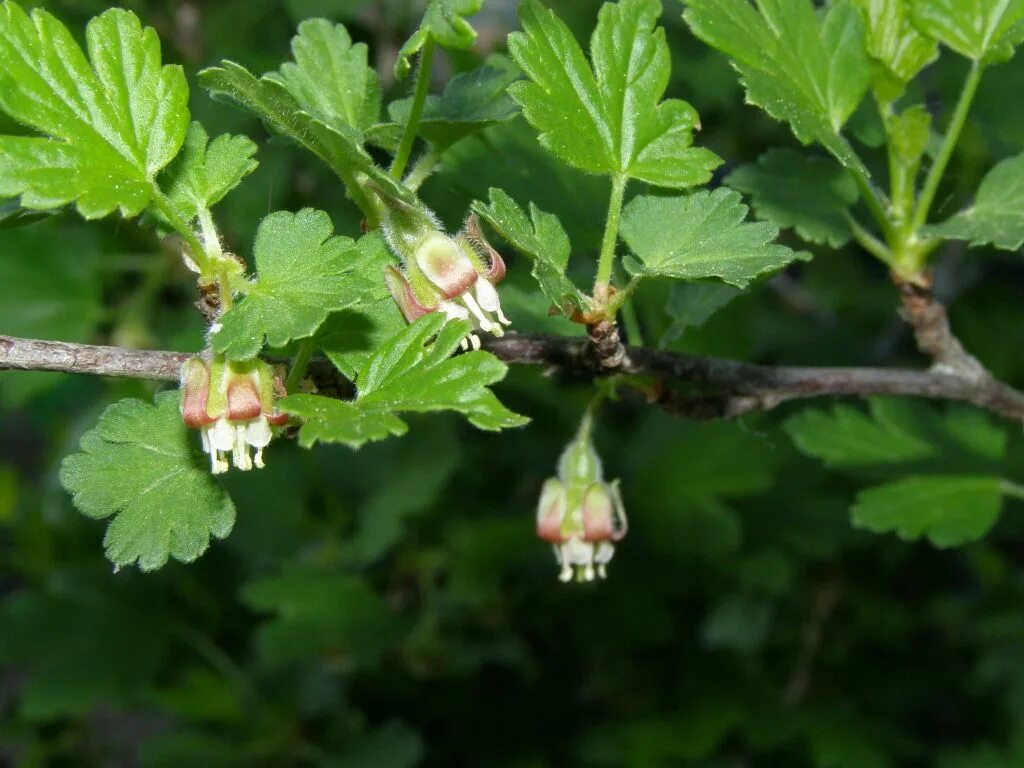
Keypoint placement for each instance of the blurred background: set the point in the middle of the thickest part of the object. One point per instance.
(391, 607)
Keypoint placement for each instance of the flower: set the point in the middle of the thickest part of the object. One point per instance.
(440, 273)
(580, 514)
(232, 404)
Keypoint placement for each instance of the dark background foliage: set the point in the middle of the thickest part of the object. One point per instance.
(392, 607)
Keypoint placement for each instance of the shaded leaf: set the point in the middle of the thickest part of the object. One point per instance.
(139, 466)
(445, 22)
(700, 235)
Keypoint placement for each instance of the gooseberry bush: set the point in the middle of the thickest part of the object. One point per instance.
(550, 208)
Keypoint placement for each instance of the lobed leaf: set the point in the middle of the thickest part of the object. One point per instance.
(540, 238)
(109, 123)
(948, 510)
(997, 216)
(331, 78)
(608, 119)
(203, 174)
(808, 194)
(139, 465)
(983, 30)
(807, 70)
(340, 146)
(896, 44)
(303, 274)
(412, 371)
(704, 234)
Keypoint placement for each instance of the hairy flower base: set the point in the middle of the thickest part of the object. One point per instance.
(232, 406)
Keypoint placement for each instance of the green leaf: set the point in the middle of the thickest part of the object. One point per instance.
(997, 216)
(471, 102)
(331, 78)
(340, 146)
(303, 274)
(808, 70)
(540, 238)
(795, 191)
(848, 437)
(140, 466)
(108, 124)
(320, 612)
(413, 371)
(894, 42)
(608, 120)
(205, 171)
(704, 234)
(691, 304)
(948, 510)
(445, 22)
(983, 30)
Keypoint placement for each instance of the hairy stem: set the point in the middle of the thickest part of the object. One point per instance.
(182, 227)
(416, 111)
(606, 261)
(956, 125)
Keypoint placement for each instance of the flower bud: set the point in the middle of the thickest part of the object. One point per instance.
(454, 275)
(580, 514)
(232, 406)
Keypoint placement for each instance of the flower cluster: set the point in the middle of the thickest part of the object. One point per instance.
(440, 273)
(580, 514)
(232, 405)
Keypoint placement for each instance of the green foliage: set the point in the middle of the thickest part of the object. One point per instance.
(609, 119)
(411, 372)
(802, 192)
(997, 215)
(269, 97)
(109, 123)
(690, 305)
(808, 70)
(330, 77)
(983, 30)
(700, 235)
(304, 272)
(540, 238)
(947, 509)
(471, 102)
(139, 466)
(205, 171)
(893, 41)
(444, 22)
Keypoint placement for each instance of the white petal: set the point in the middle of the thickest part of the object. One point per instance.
(222, 435)
(604, 552)
(258, 433)
(453, 311)
(578, 552)
(486, 324)
(487, 296)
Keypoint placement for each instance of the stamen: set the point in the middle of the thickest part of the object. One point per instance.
(485, 323)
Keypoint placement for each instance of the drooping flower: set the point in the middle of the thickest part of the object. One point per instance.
(579, 513)
(440, 273)
(232, 406)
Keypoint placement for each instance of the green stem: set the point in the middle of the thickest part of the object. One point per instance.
(362, 201)
(873, 200)
(956, 125)
(869, 242)
(606, 261)
(299, 365)
(416, 112)
(164, 205)
(421, 170)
